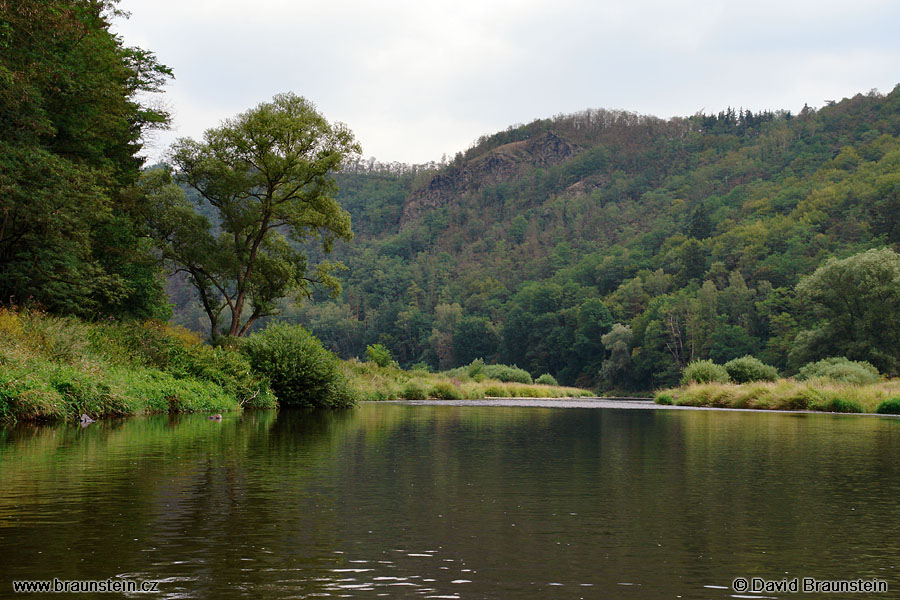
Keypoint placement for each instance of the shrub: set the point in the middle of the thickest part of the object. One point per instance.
(445, 391)
(379, 355)
(704, 371)
(666, 399)
(414, 391)
(300, 370)
(227, 368)
(748, 368)
(840, 369)
(889, 407)
(475, 368)
(507, 373)
(546, 379)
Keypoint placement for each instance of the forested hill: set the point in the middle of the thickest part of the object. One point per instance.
(690, 234)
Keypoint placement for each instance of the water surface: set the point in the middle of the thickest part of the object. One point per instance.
(453, 502)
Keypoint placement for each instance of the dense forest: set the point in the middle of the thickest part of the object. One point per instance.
(610, 249)
(75, 106)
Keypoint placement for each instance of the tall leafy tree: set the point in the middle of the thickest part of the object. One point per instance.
(71, 125)
(268, 175)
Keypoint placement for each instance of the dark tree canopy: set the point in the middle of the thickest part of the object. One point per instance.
(857, 300)
(71, 124)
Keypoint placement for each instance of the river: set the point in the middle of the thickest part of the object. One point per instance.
(425, 501)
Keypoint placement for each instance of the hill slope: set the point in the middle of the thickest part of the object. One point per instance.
(691, 233)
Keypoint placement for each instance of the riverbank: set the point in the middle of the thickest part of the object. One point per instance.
(56, 368)
(820, 395)
(594, 403)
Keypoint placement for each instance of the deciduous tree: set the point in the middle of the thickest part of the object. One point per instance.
(268, 175)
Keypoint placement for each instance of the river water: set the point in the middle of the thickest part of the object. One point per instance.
(402, 501)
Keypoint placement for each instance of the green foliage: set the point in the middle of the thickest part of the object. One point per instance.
(617, 343)
(599, 218)
(477, 370)
(473, 338)
(507, 373)
(264, 173)
(840, 369)
(730, 342)
(180, 353)
(856, 300)
(889, 407)
(445, 391)
(665, 399)
(60, 367)
(379, 355)
(748, 368)
(836, 405)
(546, 379)
(704, 371)
(301, 372)
(788, 394)
(75, 104)
(414, 391)
(496, 391)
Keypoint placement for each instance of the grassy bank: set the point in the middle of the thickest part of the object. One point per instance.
(789, 394)
(372, 382)
(54, 368)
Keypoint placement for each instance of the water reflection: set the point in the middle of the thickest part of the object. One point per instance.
(452, 502)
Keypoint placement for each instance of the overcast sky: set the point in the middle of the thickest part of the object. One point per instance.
(415, 79)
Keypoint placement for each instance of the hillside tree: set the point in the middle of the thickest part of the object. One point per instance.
(856, 300)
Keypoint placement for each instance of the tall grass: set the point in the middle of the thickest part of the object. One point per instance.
(785, 394)
(374, 383)
(60, 367)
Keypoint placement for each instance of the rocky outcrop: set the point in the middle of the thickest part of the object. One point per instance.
(500, 164)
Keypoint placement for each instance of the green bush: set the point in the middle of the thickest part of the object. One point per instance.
(475, 368)
(445, 391)
(666, 399)
(227, 368)
(546, 379)
(414, 391)
(300, 370)
(379, 355)
(704, 371)
(507, 373)
(889, 407)
(842, 370)
(748, 368)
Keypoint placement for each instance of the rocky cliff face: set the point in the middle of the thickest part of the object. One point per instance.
(500, 164)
